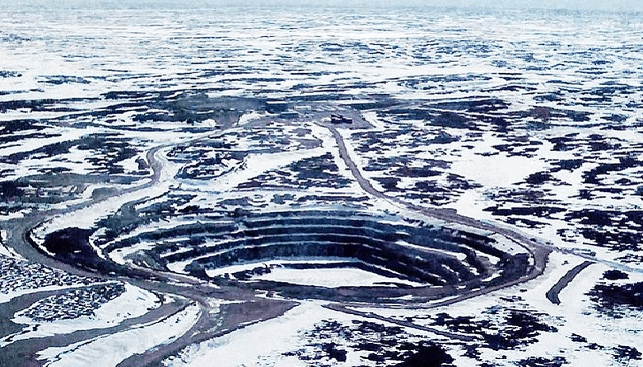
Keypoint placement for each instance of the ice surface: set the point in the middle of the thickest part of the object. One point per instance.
(330, 278)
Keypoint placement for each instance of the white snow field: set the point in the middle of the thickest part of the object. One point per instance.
(259, 184)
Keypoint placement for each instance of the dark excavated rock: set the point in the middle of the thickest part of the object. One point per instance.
(10, 190)
(363, 241)
(72, 240)
(71, 245)
(397, 249)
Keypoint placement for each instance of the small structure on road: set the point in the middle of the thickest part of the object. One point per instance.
(336, 118)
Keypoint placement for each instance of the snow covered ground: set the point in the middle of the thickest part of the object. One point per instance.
(531, 118)
(268, 343)
(134, 302)
(112, 349)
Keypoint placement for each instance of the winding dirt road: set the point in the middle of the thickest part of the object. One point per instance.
(208, 324)
(538, 252)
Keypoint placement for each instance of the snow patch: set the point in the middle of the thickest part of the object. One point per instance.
(109, 351)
